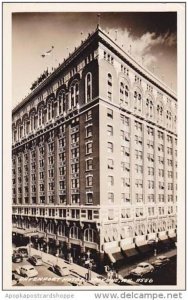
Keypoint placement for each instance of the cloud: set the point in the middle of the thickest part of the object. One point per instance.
(141, 48)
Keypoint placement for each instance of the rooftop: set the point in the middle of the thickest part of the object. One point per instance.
(47, 77)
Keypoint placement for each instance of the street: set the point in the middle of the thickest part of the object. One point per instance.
(45, 276)
(165, 275)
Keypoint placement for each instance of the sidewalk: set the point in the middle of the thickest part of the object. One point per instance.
(73, 268)
(124, 270)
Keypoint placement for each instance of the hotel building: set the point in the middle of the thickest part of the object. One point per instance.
(94, 155)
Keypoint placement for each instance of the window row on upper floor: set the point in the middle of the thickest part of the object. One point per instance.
(142, 102)
(63, 103)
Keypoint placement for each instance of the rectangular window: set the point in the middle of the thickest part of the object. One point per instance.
(110, 164)
(61, 143)
(109, 113)
(51, 147)
(110, 214)
(110, 180)
(74, 168)
(89, 181)
(61, 185)
(61, 171)
(89, 164)
(51, 173)
(89, 148)
(109, 130)
(110, 147)
(138, 126)
(88, 131)
(75, 152)
(111, 198)
(74, 137)
(109, 95)
(75, 198)
(75, 183)
(89, 198)
(61, 156)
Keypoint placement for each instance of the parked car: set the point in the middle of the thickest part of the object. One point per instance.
(36, 260)
(161, 261)
(59, 270)
(142, 269)
(28, 271)
(16, 258)
(22, 251)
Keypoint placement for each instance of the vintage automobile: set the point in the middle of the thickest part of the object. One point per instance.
(59, 270)
(142, 269)
(22, 251)
(161, 261)
(35, 260)
(16, 258)
(27, 271)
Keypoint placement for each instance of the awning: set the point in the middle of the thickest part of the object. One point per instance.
(163, 237)
(114, 254)
(18, 230)
(118, 256)
(129, 250)
(144, 248)
(112, 259)
(27, 233)
(174, 239)
(171, 235)
(37, 234)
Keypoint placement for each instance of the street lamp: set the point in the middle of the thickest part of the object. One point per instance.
(57, 255)
(89, 265)
(41, 249)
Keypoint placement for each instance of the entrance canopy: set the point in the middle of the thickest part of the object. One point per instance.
(27, 232)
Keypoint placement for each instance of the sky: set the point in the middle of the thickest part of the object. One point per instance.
(151, 37)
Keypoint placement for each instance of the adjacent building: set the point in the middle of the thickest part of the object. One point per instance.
(94, 155)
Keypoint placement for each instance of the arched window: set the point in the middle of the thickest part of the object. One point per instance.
(149, 108)
(163, 225)
(128, 230)
(25, 126)
(50, 109)
(75, 233)
(90, 235)
(32, 121)
(149, 228)
(109, 87)
(19, 130)
(74, 95)
(41, 226)
(124, 93)
(175, 122)
(154, 226)
(138, 100)
(51, 228)
(40, 116)
(88, 87)
(61, 102)
(159, 113)
(61, 230)
(169, 119)
(14, 135)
